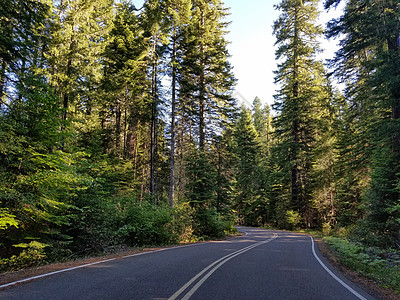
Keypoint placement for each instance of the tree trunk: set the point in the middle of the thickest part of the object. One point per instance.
(296, 184)
(65, 89)
(2, 80)
(153, 121)
(202, 124)
(173, 104)
(118, 129)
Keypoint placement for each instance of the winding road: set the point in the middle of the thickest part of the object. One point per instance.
(261, 264)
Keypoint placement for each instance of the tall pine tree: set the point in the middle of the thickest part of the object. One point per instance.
(369, 59)
(301, 102)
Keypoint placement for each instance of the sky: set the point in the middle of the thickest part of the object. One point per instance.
(252, 47)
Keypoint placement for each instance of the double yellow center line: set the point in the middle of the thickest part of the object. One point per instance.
(209, 270)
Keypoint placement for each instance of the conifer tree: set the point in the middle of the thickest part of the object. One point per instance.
(24, 34)
(302, 99)
(124, 83)
(369, 60)
(79, 31)
(205, 82)
(247, 150)
(206, 79)
(155, 25)
(179, 14)
(262, 120)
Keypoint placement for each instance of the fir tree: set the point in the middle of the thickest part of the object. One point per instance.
(247, 150)
(206, 79)
(80, 29)
(369, 59)
(302, 99)
(179, 12)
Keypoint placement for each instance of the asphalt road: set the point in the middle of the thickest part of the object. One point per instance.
(262, 264)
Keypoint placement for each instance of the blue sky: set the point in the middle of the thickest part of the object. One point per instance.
(252, 47)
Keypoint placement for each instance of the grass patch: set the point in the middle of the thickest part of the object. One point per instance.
(375, 263)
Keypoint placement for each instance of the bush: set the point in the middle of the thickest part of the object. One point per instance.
(293, 219)
(32, 255)
(183, 223)
(145, 224)
(209, 224)
(326, 229)
(370, 261)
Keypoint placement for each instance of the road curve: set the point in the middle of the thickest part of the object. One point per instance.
(262, 264)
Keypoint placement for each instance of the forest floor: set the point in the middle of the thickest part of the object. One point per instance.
(370, 286)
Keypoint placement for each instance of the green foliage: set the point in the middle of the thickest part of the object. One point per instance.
(32, 255)
(292, 220)
(82, 126)
(302, 102)
(201, 187)
(209, 224)
(326, 229)
(144, 223)
(83, 155)
(183, 223)
(370, 64)
(246, 151)
(371, 262)
(7, 219)
(252, 177)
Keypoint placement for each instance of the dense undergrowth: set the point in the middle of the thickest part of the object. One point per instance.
(120, 223)
(382, 265)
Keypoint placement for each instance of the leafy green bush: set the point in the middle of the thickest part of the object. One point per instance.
(208, 224)
(32, 255)
(293, 219)
(183, 223)
(145, 223)
(326, 229)
(368, 261)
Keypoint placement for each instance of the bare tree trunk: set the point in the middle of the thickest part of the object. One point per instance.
(125, 155)
(202, 123)
(2, 81)
(153, 120)
(295, 172)
(173, 104)
(153, 137)
(65, 92)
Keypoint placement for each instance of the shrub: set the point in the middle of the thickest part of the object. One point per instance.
(208, 224)
(369, 261)
(183, 223)
(293, 219)
(145, 224)
(32, 255)
(326, 229)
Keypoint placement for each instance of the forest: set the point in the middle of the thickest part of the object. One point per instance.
(118, 127)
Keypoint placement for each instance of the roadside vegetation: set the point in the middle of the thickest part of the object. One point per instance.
(121, 224)
(350, 249)
(381, 265)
